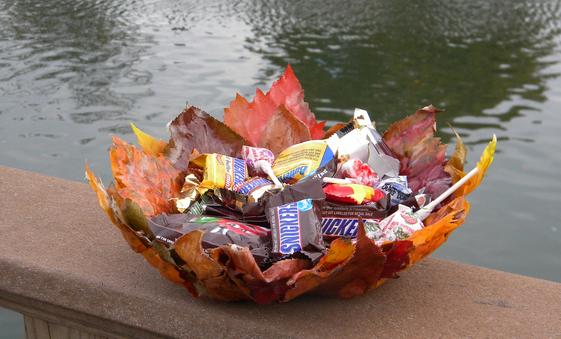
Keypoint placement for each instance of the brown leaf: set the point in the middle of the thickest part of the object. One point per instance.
(347, 270)
(261, 287)
(195, 129)
(209, 272)
(283, 130)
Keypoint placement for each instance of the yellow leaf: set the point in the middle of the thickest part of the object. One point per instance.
(148, 143)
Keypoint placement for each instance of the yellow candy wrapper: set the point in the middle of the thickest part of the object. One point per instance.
(300, 160)
(221, 171)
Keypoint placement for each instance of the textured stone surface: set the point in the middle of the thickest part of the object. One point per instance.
(60, 256)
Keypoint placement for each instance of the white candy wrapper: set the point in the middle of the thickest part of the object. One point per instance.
(397, 226)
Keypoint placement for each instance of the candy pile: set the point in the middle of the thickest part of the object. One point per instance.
(292, 205)
(268, 206)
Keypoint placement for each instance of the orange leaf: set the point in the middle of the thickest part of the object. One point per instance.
(287, 91)
(283, 130)
(149, 181)
(438, 227)
(250, 119)
(106, 203)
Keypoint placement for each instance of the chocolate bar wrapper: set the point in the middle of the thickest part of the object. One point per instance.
(217, 232)
(301, 160)
(340, 220)
(254, 188)
(296, 229)
(221, 171)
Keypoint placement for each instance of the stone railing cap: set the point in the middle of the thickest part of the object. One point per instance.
(60, 255)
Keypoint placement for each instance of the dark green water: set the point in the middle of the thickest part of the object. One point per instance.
(73, 72)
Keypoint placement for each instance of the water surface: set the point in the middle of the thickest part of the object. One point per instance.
(74, 72)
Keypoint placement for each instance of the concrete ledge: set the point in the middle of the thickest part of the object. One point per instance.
(62, 261)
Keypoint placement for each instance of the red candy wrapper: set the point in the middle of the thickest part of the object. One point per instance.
(352, 193)
(358, 172)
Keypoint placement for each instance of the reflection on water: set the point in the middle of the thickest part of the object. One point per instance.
(74, 72)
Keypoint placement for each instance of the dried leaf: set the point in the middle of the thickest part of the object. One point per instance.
(106, 203)
(253, 119)
(249, 119)
(421, 155)
(195, 129)
(209, 272)
(397, 257)
(437, 228)
(148, 143)
(149, 181)
(346, 270)
(287, 91)
(283, 130)
(455, 165)
(403, 135)
(261, 287)
(485, 161)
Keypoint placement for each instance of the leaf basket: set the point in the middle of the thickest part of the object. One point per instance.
(148, 179)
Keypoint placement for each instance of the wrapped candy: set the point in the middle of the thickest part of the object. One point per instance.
(259, 162)
(301, 160)
(397, 226)
(358, 172)
(397, 188)
(221, 171)
(352, 193)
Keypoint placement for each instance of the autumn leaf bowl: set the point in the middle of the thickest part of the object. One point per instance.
(148, 178)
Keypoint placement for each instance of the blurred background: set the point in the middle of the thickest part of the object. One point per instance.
(75, 72)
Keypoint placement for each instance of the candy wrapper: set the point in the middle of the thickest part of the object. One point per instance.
(259, 162)
(360, 140)
(189, 193)
(221, 171)
(358, 172)
(352, 193)
(296, 229)
(217, 232)
(338, 220)
(396, 188)
(398, 226)
(295, 218)
(298, 161)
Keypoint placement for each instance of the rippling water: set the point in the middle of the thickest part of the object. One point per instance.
(73, 72)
